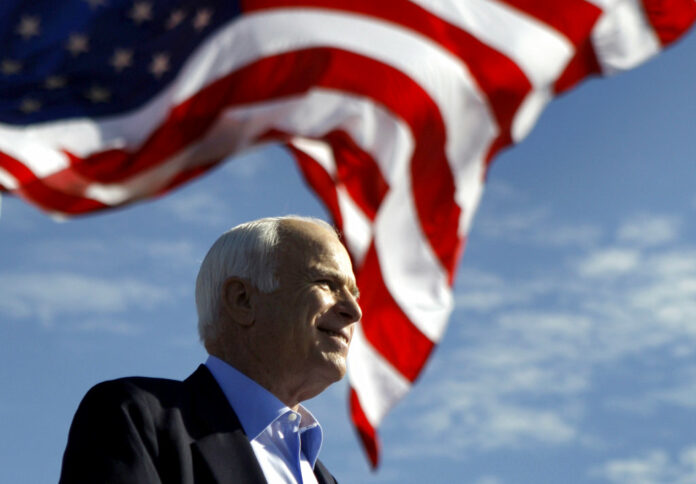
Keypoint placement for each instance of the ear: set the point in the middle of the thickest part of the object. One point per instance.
(236, 301)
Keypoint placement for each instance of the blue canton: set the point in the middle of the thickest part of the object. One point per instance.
(91, 58)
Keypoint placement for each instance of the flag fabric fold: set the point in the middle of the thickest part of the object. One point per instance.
(392, 109)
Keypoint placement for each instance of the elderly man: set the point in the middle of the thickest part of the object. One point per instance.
(277, 306)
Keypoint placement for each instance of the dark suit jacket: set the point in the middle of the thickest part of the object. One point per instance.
(142, 430)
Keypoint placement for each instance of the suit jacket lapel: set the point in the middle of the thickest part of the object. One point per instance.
(221, 442)
(229, 458)
(322, 474)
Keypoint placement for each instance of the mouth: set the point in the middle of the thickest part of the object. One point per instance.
(342, 336)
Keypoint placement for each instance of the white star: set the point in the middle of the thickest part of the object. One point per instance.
(29, 105)
(202, 18)
(98, 94)
(9, 67)
(141, 12)
(29, 26)
(77, 44)
(93, 4)
(159, 64)
(175, 18)
(121, 59)
(54, 82)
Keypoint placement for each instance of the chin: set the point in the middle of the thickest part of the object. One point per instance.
(335, 368)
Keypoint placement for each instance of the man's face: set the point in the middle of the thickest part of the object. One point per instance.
(308, 322)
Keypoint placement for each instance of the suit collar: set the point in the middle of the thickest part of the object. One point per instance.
(221, 442)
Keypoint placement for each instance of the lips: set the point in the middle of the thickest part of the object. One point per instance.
(343, 335)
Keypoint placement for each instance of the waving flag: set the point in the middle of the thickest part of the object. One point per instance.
(393, 109)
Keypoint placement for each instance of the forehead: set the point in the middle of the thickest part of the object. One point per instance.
(313, 247)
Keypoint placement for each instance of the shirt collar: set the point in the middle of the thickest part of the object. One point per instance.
(257, 408)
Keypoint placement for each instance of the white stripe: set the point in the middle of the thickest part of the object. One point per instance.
(378, 385)
(540, 51)
(33, 153)
(423, 294)
(470, 186)
(215, 145)
(528, 113)
(446, 79)
(356, 226)
(410, 269)
(318, 151)
(83, 137)
(312, 116)
(623, 37)
(604, 4)
(7, 180)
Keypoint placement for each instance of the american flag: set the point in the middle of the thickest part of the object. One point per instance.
(393, 109)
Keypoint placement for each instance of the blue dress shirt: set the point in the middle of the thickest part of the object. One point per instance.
(286, 443)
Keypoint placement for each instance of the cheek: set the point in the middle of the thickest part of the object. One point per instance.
(318, 302)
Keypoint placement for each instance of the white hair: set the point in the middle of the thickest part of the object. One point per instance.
(247, 251)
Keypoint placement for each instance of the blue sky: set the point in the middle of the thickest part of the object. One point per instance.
(570, 356)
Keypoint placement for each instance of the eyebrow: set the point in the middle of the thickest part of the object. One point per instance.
(339, 276)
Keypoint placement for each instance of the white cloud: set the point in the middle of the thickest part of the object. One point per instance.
(609, 262)
(649, 230)
(529, 350)
(506, 214)
(527, 357)
(198, 207)
(653, 467)
(483, 292)
(517, 426)
(47, 296)
(537, 228)
(252, 162)
(109, 326)
(488, 480)
(519, 223)
(582, 235)
(176, 250)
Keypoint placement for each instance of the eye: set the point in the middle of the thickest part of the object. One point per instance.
(324, 282)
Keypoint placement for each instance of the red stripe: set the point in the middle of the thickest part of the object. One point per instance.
(582, 65)
(366, 432)
(245, 86)
(572, 18)
(295, 73)
(385, 326)
(41, 193)
(499, 78)
(186, 123)
(432, 181)
(670, 18)
(358, 172)
(347, 72)
(321, 182)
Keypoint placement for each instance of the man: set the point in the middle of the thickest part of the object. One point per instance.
(277, 306)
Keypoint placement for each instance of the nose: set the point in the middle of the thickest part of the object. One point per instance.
(349, 308)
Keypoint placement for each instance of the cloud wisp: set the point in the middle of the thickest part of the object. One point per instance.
(524, 354)
(653, 467)
(48, 297)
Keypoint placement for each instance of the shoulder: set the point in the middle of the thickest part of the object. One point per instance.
(139, 391)
(148, 397)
